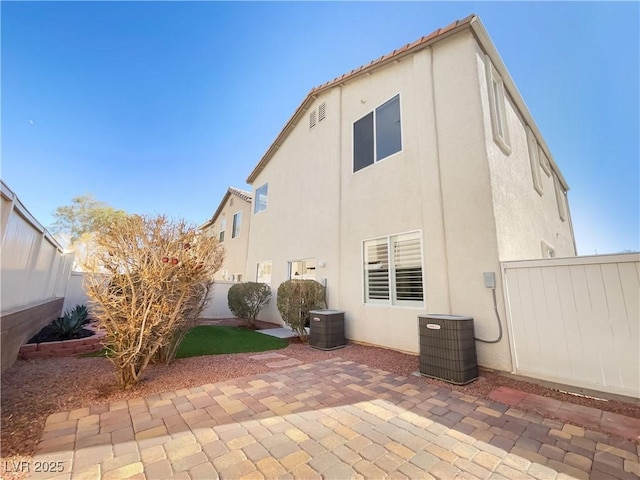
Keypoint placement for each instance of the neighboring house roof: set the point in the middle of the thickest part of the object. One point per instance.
(242, 194)
(471, 22)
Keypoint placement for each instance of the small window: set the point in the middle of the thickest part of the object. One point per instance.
(236, 277)
(231, 202)
(237, 219)
(312, 119)
(263, 272)
(393, 270)
(534, 161)
(302, 269)
(544, 161)
(260, 201)
(547, 250)
(377, 135)
(561, 198)
(223, 227)
(498, 108)
(322, 111)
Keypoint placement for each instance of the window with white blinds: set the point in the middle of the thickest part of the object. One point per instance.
(393, 270)
(376, 271)
(407, 261)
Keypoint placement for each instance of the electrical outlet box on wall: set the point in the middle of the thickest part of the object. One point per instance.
(489, 279)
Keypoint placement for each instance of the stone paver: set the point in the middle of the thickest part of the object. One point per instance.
(613, 423)
(330, 419)
(289, 362)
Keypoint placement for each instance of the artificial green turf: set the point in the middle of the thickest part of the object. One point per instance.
(216, 340)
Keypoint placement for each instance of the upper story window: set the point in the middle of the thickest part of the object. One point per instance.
(237, 219)
(534, 160)
(561, 198)
(497, 107)
(260, 202)
(544, 161)
(377, 135)
(223, 227)
(393, 270)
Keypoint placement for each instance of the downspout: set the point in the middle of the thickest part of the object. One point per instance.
(442, 216)
(340, 219)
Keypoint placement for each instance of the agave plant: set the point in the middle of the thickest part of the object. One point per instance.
(71, 323)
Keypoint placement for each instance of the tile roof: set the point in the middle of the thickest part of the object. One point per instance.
(407, 49)
(398, 53)
(242, 194)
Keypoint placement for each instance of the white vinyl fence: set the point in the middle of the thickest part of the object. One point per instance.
(76, 293)
(217, 307)
(34, 271)
(576, 321)
(34, 267)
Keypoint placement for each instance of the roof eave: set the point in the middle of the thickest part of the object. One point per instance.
(213, 219)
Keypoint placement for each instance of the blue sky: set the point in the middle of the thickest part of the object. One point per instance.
(159, 107)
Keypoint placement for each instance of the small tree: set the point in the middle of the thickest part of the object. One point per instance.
(157, 282)
(247, 299)
(75, 225)
(296, 298)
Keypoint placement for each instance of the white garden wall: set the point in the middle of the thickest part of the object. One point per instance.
(216, 308)
(34, 273)
(576, 321)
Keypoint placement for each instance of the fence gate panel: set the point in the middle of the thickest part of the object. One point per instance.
(576, 320)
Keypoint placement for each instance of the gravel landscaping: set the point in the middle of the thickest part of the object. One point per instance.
(32, 390)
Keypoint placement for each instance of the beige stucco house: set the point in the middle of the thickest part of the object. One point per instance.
(230, 225)
(401, 183)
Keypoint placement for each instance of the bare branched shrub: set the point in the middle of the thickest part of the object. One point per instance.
(157, 275)
(295, 299)
(247, 299)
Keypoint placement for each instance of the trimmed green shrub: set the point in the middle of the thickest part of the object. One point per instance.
(296, 298)
(247, 299)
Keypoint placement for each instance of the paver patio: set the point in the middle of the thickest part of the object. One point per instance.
(331, 419)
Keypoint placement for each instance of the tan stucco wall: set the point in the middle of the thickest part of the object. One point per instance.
(387, 198)
(302, 216)
(524, 218)
(469, 223)
(440, 184)
(235, 248)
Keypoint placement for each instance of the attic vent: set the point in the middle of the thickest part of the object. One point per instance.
(312, 119)
(322, 111)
